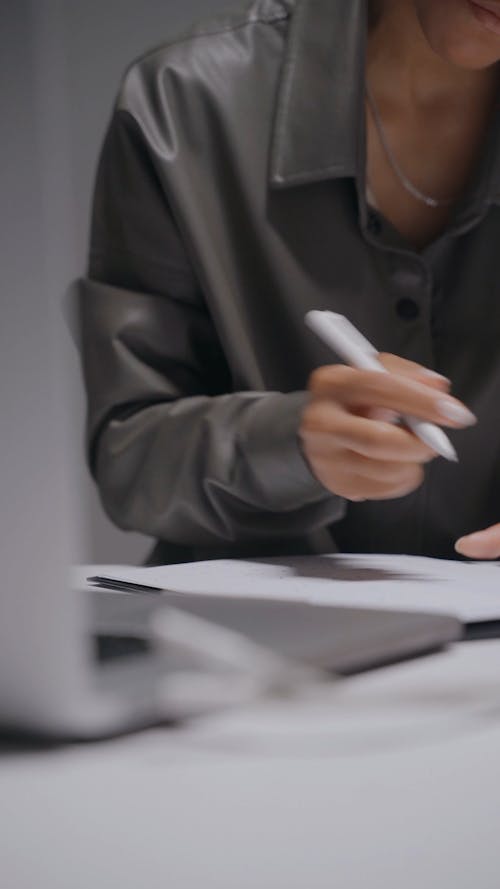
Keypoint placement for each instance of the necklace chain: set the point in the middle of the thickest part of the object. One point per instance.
(407, 184)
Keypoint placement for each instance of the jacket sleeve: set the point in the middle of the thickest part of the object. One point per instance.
(175, 453)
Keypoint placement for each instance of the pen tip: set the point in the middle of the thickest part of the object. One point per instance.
(450, 453)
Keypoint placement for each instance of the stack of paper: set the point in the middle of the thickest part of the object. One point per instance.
(471, 591)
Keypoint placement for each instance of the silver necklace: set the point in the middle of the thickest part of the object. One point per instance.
(407, 184)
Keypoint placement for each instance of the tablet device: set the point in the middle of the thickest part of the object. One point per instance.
(336, 639)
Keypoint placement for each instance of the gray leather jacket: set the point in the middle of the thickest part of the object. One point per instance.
(230, 200)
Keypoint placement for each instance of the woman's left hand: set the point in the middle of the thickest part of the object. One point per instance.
(481, 545)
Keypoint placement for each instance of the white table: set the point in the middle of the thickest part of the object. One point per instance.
(390, 779)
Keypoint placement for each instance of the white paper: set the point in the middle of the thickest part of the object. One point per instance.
(471, 591)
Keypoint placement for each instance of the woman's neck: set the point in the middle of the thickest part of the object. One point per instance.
(435, 117)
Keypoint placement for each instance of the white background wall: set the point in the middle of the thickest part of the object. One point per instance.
(82, 50)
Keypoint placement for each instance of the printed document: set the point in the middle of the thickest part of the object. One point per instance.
(468, 590)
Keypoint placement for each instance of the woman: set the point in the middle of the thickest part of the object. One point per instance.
(300, 154)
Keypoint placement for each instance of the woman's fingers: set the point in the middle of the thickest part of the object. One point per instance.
(405, 395)
(357, 480)
(350, 434)
(396, 365)
(327, 425)
(480, 545)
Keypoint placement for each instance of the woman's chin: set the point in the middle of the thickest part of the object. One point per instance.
(456, 34)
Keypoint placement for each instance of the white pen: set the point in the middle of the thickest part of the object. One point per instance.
(338, 333)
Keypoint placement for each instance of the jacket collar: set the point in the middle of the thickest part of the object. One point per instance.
(318, 126)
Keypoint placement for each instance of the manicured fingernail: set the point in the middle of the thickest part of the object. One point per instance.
(472, 546)
(436, 376)
(461, 546)
(456, 412)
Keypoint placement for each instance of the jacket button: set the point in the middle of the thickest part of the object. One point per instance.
(407, 309)
(374, 224)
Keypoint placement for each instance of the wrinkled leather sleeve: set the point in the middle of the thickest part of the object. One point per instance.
(175, 453)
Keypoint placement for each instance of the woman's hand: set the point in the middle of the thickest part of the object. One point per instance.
(480, 545)
(348, 434)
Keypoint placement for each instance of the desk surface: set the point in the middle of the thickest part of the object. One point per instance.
(390, 779)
